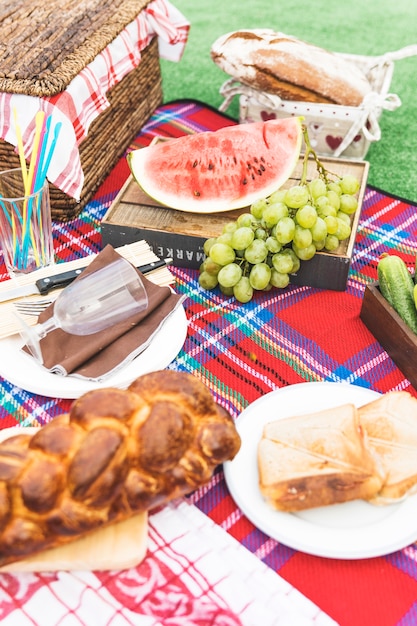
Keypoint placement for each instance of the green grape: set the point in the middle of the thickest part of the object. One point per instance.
(277, 196)
(261, 233)
(344, 217)
(331, 224)
(296, 196)
(282, 263)
(305, 254)
(348, 204)
(210, 266)
(343, 230)
(319, 245)
(229, 275)
(258, 207)
(319, 229)
(256, 252)
(333, 198)
(243, 291)
(284, 230)
(279, 280)
(246, 219)
(225, 238)
(317, 187)
(349, 184)
(207, 281)
(334, 186)
(230, 227)
(266, 244)
(274, 212)
(327, 209)
(332, 243)
(294, 258)
(222, 254)
(273, 244)
(228, 291)
(306, 216)
(207, 245)
(259, 276)
(302, 237)
(321, 203)
(242, 237)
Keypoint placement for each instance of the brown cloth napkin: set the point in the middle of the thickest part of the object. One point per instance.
(99, 355)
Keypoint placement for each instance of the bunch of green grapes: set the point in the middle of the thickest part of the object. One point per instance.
(264, 246)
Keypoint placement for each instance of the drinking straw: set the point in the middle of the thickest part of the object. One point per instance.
(39, 122)
(17, 257)
(21, 149)
(11, 220)
(43, 166)
(47, 161)
(38, 178)
(27, 227)
(34, 176)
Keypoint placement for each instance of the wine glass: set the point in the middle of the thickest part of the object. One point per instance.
(91, 304)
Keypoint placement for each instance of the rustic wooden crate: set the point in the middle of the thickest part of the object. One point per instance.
(171, 233)
(397, 339)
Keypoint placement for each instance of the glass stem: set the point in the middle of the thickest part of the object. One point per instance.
(46, 327)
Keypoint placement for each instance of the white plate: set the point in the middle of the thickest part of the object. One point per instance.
(352, 530)
(22, 370)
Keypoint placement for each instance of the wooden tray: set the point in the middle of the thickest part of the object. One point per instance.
(170, 233)
(397, 339)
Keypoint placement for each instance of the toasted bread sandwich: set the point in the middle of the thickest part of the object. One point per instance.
(317, 459)
(391, 426)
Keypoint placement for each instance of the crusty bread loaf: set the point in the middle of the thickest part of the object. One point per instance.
(117, 453)
(317, 459)
(292, 69)
(391, 426)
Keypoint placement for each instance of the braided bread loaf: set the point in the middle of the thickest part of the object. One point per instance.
(117, 453)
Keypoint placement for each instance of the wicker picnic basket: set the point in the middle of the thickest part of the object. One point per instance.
(51, 57)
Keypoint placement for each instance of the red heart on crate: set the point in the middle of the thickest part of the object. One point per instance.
(333, 142)
(267, 116)
(357, 138)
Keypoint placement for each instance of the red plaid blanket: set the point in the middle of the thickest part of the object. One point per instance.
(280, 338)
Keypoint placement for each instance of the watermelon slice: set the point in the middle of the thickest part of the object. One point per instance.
(219, 170)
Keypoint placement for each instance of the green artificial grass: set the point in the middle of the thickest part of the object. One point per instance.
(363, 27)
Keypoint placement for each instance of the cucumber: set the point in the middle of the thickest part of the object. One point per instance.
(397, 286)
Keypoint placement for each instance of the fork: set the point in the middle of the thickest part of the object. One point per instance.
(33, 307)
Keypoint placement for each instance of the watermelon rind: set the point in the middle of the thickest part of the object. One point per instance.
(218, 171)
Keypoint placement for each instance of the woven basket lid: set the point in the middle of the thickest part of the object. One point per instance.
(45, 44)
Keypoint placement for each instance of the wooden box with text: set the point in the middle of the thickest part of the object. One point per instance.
(181, 235)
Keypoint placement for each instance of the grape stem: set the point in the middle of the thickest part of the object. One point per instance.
(323, 173)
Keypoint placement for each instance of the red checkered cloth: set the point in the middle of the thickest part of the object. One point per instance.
(194, 574)
(86, 95)
(241, 352)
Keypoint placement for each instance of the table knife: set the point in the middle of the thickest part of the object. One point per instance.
(44, 285)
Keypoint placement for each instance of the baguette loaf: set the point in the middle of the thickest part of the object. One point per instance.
(118, 453)
(292, 69)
